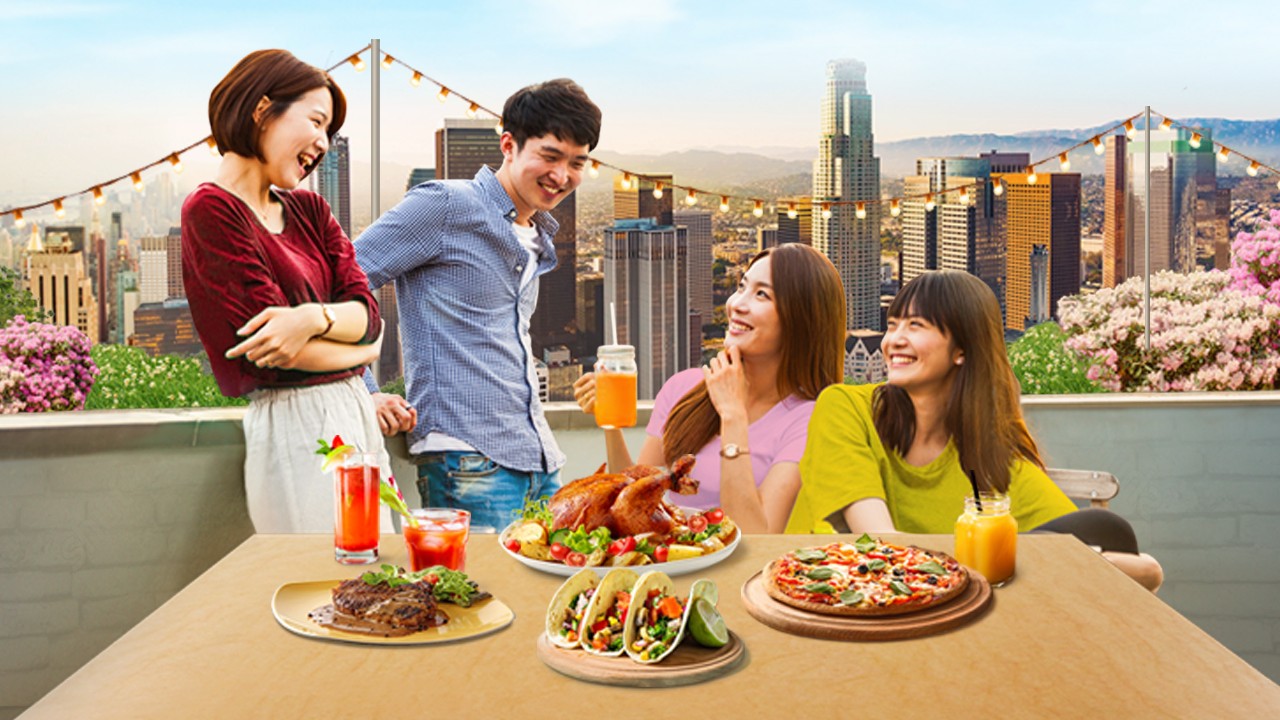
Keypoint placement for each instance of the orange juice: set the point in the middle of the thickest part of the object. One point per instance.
(615, 399)
(987, 539)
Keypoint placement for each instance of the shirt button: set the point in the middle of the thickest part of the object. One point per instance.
(519, 268)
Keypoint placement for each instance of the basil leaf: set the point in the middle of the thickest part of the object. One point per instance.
(900, 587)
(820, 573)
(932, 567)
(819, 587)
(850, 597)
(876, 564)
(810, 555)
(866, 543)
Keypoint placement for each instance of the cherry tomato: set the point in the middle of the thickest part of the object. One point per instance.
(432, 579)
(660, 553)
(513, 545)
(698, 523)
(558, 551)
(615, 548)
(576, 559)
(626, 544)
(715, 516)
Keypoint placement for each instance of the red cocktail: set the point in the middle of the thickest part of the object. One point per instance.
(439, 539)
(355, 509)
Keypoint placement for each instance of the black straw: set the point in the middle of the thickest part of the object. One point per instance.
(977, 497)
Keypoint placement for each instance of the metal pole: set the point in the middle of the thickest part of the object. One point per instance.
(1146, 238)
(375, 63)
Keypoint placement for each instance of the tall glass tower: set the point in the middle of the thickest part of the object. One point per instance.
(846, 170)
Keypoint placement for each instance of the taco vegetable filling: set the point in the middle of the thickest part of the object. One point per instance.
(605, 631)
(657, 624)
(573, 612)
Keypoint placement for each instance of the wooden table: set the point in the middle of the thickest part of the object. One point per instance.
(1069, 637)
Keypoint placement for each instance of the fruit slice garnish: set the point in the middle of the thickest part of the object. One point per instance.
(706, 625)
(334, 456)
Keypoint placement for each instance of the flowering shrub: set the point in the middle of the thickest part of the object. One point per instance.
(1205, 335)
(132, 379)
(1044, 366)
(43, 367)
(1255, 260)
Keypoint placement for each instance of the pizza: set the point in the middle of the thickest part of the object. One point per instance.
(864, 578)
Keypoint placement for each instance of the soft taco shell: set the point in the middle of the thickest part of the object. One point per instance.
(652, 580)
(581, 581)
(614, 581)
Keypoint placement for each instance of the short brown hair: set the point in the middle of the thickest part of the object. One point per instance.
(274, 74)
(557, 107)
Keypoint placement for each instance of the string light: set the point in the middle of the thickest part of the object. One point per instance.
(1098, 147)
(594, 170)
(626, 181)
(416, 80)
(998, 188)
(692, 198)
(98, 197)
(1224, 154)
(724, 203)
(1031, 175)
(929, 204)
(1195, 140)
(136, 177)
(387, 60)
(860, 210)
(758, 210)
(1252, 169)
(212, 145)
(1129, 130)
(826, 211)
(18, 220)
(895, 207)
(58, 210)
(791, 210)
(443, 94)
(356, 62)
(657, 190)
(175, 162)
(1065, 162)
(1165, 124)
(472, 110)
(499, 129)
(964, 196)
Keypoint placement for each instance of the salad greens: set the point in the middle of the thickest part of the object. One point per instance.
(450, 586)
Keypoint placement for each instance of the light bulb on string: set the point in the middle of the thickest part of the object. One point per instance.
(1031, 175)
(98, 197)
(692, 198)
(498, 128)
(964, 196)
(929, 204)
(136, 177)
(826, 211)
(58, 210)
(1195, 140)
(1165, 124)
(724, 203)
(594, 170)
(791, 210)
(758, 210)
(387, 60)
(1098, 147)
(895, 207)
(860, 210)
(356, 62)
(997, 188)
(416, 80)
(472, 110)
(626, 181)
(176, 163)
(443, 94)
(1252, 169)
(657, 190)
(18, 220)
(1129, 130)
(212, 145)
(1064, 162)
(1224, 154)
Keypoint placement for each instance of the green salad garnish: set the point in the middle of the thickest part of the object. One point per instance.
(451, 586)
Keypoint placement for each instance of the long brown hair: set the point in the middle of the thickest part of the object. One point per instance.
(810, 301)
(983, 414)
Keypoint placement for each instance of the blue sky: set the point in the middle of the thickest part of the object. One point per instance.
(94, 89)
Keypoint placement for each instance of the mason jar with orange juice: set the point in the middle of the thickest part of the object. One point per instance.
(987, 537)
(615, 386)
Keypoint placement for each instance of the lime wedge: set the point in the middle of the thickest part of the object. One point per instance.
(335, 456)
(706, 625)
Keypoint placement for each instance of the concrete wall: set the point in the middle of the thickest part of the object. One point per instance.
(104, 515)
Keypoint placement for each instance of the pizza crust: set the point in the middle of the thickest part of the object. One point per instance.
(774, 588)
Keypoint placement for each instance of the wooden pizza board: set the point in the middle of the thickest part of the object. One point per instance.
(689, 664)
(963, 608)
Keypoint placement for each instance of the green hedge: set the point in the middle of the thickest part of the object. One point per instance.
(130, 379)
(1044, 366)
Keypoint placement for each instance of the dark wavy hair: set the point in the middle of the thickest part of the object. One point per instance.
(558, 107)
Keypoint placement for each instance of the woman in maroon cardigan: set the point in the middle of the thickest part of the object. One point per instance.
(282, 309)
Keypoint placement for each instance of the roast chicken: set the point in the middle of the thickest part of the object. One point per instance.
(632, 502)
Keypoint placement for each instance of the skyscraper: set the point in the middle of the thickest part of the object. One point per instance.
(333, 181)
(417, 176)
(700, 240)
(798, 229)
(173, 264)
(1183, 193)
(60, 283)
(645, 278)
(1046, 213)
(153, 270)
(463, 146)
(1114, 241)
(847, 170)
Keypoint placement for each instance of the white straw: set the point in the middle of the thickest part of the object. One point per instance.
(613, 316)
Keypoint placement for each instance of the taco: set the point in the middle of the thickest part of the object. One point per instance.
(568, 608)
(655, 622)
(606, 618)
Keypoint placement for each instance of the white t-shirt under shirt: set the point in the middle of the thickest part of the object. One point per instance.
(527, 235)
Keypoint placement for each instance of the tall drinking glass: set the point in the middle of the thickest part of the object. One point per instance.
(355, 509)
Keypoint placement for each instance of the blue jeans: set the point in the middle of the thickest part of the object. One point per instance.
(492, 494)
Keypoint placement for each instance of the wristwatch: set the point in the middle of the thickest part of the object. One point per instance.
(730, 451)
(329, 318)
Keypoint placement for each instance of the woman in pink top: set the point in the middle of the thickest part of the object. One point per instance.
(745, 414)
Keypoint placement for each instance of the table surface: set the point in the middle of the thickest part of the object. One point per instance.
(1069, 637)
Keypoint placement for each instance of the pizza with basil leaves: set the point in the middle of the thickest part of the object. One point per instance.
(863, 578)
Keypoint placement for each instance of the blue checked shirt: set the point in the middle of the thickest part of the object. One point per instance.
(464, 319)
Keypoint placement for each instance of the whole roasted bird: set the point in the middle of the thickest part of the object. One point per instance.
(628, 503)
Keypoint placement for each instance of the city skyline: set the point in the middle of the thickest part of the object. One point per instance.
(140, 72)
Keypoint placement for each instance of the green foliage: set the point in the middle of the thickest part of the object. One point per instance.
(17, 300)
(1045, 366)
(394, 387)
(129, 379)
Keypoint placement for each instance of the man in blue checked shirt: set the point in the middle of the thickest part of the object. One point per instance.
(466, 256)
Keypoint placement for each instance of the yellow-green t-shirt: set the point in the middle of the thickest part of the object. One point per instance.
(844, 461)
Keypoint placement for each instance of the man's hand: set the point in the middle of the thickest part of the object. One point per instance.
(584, 391)
(395, 414)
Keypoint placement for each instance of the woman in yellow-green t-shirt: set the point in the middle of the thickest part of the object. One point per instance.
(902, 456)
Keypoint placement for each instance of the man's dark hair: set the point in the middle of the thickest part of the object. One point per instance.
(557, 107)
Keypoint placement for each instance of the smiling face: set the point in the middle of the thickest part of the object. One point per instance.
(541, 173)
(920, 356)
(752, 311)
(294, 141)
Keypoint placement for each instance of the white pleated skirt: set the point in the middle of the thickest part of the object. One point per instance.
(284, 487)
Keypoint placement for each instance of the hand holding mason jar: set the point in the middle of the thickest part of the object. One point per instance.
(615, 386)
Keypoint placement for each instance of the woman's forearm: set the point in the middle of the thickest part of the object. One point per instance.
(739, 497)
(615, 447)
(350, 321)
(320, 355)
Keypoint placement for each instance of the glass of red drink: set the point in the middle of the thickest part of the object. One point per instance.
(439, 539)
(355, 509)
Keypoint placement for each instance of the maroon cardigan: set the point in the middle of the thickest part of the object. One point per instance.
(233, 268)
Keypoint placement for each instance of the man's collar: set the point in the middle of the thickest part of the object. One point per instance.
(488, 180)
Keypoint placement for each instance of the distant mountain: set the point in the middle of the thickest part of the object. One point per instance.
(706, 168)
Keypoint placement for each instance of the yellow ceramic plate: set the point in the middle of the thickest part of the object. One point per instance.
(293, 601)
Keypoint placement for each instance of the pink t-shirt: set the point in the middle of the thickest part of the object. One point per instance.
(778, 436)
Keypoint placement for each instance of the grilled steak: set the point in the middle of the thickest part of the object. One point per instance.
(382, 609)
